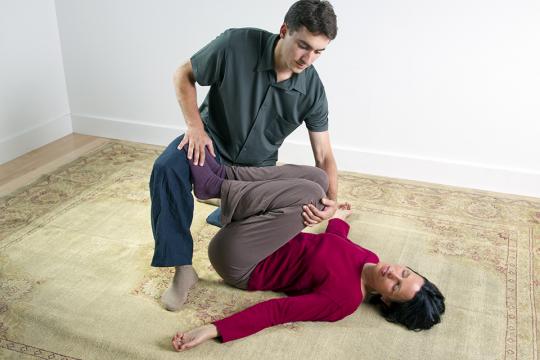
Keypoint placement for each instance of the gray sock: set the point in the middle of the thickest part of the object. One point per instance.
(175, 296)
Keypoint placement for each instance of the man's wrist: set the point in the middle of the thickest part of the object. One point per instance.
(195, 125)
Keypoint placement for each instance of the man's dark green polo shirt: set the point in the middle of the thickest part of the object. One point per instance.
(246, 112)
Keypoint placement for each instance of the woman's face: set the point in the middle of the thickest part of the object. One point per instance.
(395, 282)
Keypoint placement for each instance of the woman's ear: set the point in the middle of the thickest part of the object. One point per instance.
(386, 301)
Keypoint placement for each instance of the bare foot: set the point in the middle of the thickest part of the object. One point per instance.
(175, 296)
(187, 340)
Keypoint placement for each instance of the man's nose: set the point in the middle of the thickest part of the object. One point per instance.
(308, 58)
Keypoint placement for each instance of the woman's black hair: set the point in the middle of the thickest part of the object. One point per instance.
(420, 313)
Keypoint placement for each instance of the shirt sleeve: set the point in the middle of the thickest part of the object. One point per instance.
(338, 227)
(317, 119)
(309, 307)
(209, 63)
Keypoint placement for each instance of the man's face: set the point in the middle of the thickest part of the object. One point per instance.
(301, 48)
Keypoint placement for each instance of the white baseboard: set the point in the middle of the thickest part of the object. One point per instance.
(18, 144)
(441, 171)
(124, 129)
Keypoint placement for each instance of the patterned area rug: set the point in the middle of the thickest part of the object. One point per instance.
(75, 280)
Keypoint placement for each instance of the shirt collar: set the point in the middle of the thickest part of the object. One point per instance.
(266, 63)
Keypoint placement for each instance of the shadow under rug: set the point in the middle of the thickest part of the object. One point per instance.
(75, 280)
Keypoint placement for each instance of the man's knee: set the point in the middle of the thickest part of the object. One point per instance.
(171, 167)
(171, 157)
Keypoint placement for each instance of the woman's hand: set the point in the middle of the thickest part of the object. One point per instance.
(187, 340)
(313, 216)
(344, 210)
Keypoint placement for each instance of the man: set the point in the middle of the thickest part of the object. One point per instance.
(262, 87)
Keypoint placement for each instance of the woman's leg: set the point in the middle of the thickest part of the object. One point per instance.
(245, 173)
(261, 217)
(261, 211)
(234, 191)
(287, 171)
(208, 179)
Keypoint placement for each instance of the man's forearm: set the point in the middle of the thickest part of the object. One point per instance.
(186, 95)
(328, 164)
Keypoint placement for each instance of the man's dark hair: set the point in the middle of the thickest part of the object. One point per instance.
(420, 313)
(317, 16)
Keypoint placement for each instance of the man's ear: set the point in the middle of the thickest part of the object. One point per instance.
(283, 31)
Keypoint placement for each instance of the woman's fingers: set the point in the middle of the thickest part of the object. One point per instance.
(310, 211)
(344, 206)
(316, 213)
(179, 342)
(176, 344)
(308, 219)
(185, 345)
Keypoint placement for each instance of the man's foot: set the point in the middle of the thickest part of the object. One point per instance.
(175, 296)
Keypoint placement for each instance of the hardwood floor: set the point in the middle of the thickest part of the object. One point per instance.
(28, 167)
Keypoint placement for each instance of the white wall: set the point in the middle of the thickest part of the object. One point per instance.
(441, 91)
(34, 107)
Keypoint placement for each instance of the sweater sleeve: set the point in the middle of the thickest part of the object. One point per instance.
(338, 227)
(309, 307)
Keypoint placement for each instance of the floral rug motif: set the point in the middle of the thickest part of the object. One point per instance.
(75, 280)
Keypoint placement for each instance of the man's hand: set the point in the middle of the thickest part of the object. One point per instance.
(197, 139)
(313, 216)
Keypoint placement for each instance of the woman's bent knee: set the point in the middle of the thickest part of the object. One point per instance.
(308, 191)
(314, 174)
(321, 178)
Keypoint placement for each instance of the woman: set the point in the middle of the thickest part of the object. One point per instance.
(326, 276)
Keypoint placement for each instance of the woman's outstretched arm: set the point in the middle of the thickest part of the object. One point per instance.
(340, 228)
(187, 340)
(309, 307)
